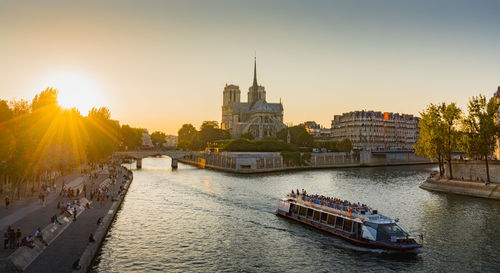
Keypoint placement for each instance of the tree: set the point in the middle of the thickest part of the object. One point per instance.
(430, 142)
(247, 135)
(131, 137)
(5, 111)
(158, 138)
(345, 145)
(103, 132)
(481, 129)
(299, 136)
(210, 132)
(187, 136)
(451, 116)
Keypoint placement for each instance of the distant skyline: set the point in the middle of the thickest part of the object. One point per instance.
(160, 64)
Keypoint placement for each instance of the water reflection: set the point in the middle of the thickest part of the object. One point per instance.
(200, 220)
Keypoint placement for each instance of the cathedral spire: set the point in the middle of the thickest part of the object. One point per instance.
(255, 72)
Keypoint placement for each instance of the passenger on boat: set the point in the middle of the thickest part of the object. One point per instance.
(336, 203)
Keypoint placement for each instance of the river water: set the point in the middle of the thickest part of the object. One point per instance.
(195, 220)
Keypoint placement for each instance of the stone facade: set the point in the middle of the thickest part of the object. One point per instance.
(370, 130)
(256, 116)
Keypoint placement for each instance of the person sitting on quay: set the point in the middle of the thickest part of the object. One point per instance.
(28, 241)
(54, 220)
(76, 264)
(38, 234)
(91, 238)
(99, 221)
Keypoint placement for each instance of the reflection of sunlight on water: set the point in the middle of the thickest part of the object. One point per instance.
(201, 220)
(206, 182)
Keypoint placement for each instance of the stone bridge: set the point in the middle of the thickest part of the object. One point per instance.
(140, 154)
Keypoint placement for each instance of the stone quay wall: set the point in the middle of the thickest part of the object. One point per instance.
(469, 188)
(100, 234)
(259, 162)
(474, 170)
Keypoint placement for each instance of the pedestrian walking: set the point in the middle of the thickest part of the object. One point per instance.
(7, 201)
(74, 214)
(43, 202)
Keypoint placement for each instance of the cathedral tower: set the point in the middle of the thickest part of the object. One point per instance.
(256, 92)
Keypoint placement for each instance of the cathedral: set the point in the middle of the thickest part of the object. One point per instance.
(257, 116)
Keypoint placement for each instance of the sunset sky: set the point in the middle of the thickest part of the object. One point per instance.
(159, 64)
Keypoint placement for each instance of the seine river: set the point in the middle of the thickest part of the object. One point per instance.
(194, 220)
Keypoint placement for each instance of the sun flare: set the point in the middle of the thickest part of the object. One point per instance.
(76, 90)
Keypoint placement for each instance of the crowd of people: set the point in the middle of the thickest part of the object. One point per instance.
(68, 201)
(14, 239)
(331, 202)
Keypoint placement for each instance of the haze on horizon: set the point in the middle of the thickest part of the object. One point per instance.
(160, 64)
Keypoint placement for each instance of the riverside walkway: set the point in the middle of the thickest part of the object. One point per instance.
(27, 214)
(71, 239)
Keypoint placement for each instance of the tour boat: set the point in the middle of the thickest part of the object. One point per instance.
(359, 224)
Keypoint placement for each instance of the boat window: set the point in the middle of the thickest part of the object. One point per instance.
(331, 220)
(390, 232)
(310, 213)
(368, 232)
(295, 209)
(316, 215)
(339, 222)
(323, 217)
(303, 211)
(347, 225)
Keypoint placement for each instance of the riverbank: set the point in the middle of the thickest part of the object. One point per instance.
(90, 252)
(292, 168)
(469, 188)
(68, 239)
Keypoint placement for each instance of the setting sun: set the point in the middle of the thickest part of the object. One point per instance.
(75, 90)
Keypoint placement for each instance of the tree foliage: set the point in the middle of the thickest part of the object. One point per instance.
(131, 138)
(345, 145)
(192, 139)
(104, 132)
(262, 145)
(431, 135)
(158, 138)
(481, 129)
(210, 132)
(298, 136)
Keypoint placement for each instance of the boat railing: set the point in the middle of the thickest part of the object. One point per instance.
(340, 212)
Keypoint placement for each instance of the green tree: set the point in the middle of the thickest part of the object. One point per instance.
(131, 137)
(103, 132)
(431, 135)
(5, 111)
(451, 116)
(299, 136)
(187, 136)
(481, 129)
(210, 132)
(247, 135)
(158, 138)
(345, 145)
